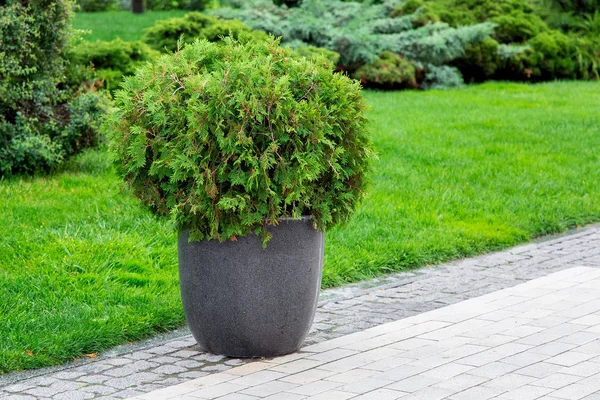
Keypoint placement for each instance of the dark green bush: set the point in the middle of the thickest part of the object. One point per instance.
(164, 35)
(163, 5)
(42, 119)
(97, 5)
(288, 3)
(389, 71)
(424, 13)
(575, 6)
(556, 55)
(313, 53)
(486, 39)
(480, 62)
(518, 27)
(226, 138)
(550, 54)
(360, 32)
(112, 60)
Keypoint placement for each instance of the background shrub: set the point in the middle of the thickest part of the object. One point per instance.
(163, 5)
(574, 6)
(523, 45)
(97, 5)
(234, 135)
(361, 32)
(164, 35)
(389, 71)
(154, 5)
(112, 60)
(42, 120)
(313, 53)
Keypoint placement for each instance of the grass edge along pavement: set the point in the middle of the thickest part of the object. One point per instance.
(341, 311)
(460, 173)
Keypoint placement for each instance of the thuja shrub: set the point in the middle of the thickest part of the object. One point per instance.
(43, 120)
(389, 71)
(313, 52)
(168, 34)
(112, 60)
(228, 138)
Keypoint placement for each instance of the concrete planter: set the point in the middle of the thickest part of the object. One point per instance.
(241, 300)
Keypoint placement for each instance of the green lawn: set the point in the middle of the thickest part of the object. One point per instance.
(123, 24)
(460, 172)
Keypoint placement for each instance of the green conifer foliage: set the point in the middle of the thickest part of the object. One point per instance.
(41, 120)
(227, 138)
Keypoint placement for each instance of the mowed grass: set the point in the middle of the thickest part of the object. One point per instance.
(123, 24)
(467, 171)
(83, 267)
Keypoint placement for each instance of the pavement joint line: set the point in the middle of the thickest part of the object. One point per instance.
(509, 384)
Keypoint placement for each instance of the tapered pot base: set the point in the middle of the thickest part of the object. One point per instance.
(242, 300)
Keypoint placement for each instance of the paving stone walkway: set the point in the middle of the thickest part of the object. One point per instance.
(144, 367)
(538, 340)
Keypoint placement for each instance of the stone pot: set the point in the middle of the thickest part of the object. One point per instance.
(242, 300)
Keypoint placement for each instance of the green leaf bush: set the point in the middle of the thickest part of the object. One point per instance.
(112, 60)
(153, 5)
(97, 5)
(523, 45)
(163, 5)
(165, 35)
(361, 32)
(43, 119)
(389, 71)
(228, 138)
(450, 40)
(315, 53)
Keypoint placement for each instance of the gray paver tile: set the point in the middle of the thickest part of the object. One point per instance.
(527, 392)
(509, 381)
(592, 347)
(447, 371)
(569, 358)
(365, 385)
(583, 369)
(387, 364)
(312, 375)
(460, 383)
(314, 388)
(579, 338)
(285, 396)
(381, 394)
(575, 391)
(413, 383)
(494, 354)
(269, 388)
(557, 381)
(218, 390)
(238, 396)
(476, 393)
(74, 395)
(332, 395)
(593, 396)
(169, 369)
(526, 358)
(332, 355)
(429, 393)
(257, 378)
(296, 366)
(554, 348)
(540, 370)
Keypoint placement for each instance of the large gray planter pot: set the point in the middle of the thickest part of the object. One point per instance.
(241, 300)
